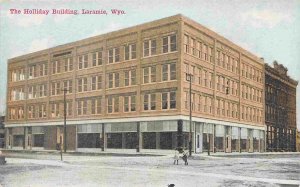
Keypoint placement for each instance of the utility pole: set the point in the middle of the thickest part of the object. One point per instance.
(189, 78)
(65, 121)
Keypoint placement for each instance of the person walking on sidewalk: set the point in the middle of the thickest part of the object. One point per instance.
(176, 157)
(185, 158)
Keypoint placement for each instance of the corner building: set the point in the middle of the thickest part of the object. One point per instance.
(127, 89)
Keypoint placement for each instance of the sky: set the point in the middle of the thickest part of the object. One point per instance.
(267, 28)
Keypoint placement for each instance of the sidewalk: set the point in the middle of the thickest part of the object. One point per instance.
(147, 152)
(90, 152)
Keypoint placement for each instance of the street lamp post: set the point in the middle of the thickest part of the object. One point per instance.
(189, 78)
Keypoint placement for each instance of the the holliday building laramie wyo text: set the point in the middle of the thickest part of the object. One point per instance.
(66, 11)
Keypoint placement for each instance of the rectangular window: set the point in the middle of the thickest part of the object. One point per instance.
(113, 55)
(68, 64)
(210, 49)
(83, 61)
(130, 51)
(210, 80)
(42, 111)
(205, 50)
(32, 72)
(55, 88)
(193, 47)
(186, 44)
(149, 74)
(69, 108)
(54, 110)
(149, 47)
(97, 58)
(43, 69)
(168, 72)
(68, 86)
(81, 107)
(42, 90)
(130, 78)
(113, 80)
(96, 82)
(168, 100)
(129, 103)
(55, 67)
(169, 44)
(82, 84)
(150, 101)
(113, 104)
(31, 112)
(96, 106)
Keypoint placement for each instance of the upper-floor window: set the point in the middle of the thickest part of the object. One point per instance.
(113, 55)
(210, 49)
(97, 58)
(68, 64)
(130, 51)
(149, 74)
(68, 86)
(31, 112)
(17, 94)
(32, 92)
(55, 67)
(42, 90)
(18, 75)
(169, 44)
(186, 44)
(96, 82)
(82, 84)
(16, 112)
(69, 108)
(168, 100)
(169, 72)
(81, 107)
(205, 51)
(150, 101)
(43, 69)
(193, 46)
(42, 111)
(96, 105)
(55, 88)
(130, 77)
(32, 72)
(129, 103)
(55, 110)
(113, 80)
(83, 61)
(112, 104)
(149, 47)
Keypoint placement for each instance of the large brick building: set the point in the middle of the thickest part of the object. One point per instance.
(280, 109)
(128, 89)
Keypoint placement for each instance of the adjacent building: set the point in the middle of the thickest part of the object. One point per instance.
(280, 109)
(2, 132)
(128, 89)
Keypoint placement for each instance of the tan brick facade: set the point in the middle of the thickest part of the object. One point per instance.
(135, 73)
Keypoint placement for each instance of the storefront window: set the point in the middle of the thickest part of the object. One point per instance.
(234, 139)
(244, 140)
(219, 139)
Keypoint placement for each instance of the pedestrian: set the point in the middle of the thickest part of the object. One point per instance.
(184, 158)
(176, 157)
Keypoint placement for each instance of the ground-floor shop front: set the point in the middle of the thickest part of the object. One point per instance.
(159, 134)
(280, 138)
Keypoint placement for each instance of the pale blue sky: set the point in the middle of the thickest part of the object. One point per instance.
(269, 29)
